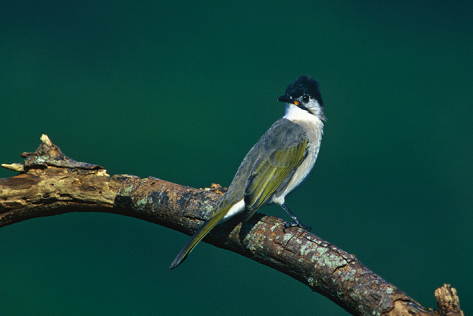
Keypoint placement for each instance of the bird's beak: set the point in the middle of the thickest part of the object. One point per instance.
(286, 98)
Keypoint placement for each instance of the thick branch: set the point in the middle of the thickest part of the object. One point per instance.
(50, 183)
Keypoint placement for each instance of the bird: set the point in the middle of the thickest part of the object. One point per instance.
(277, 164)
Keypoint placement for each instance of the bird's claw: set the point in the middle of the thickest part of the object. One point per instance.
(299, 224)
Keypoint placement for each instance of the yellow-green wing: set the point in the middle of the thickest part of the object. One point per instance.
(273, 172)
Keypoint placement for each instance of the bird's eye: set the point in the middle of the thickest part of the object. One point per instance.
(305, 98)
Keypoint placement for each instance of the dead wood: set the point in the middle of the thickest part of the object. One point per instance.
(50, 183)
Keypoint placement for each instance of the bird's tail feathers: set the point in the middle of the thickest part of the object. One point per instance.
(198, 236)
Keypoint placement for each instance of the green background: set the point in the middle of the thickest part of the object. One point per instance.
(181, 90)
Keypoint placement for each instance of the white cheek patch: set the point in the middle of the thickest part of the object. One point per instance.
(295, 113)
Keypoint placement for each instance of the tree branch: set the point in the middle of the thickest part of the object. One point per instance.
(50, 183)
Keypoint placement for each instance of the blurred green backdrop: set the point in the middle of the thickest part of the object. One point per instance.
(181, 90)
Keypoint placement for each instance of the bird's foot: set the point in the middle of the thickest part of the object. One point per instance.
(296, 224)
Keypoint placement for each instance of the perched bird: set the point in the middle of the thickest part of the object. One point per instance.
(280, 161)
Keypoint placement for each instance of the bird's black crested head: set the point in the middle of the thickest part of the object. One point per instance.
(305, 85)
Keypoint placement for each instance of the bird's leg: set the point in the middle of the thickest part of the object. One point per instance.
(297, 222)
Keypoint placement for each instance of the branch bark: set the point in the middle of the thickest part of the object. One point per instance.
(50, 183)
